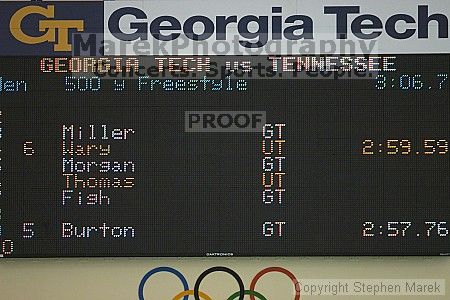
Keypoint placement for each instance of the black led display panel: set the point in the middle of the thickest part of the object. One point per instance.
(224, 156)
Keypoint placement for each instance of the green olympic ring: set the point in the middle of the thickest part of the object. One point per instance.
(247, 292)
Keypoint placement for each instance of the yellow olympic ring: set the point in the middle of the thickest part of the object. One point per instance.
(191, 293)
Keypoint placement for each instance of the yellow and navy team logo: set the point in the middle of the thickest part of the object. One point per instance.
(48, 28)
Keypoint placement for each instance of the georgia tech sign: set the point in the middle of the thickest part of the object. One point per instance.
(236, 27)
(296, 27)
(233, 27)
(55, 31)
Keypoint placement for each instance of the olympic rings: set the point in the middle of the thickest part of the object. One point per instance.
(198, 295)
(276, 269)
(219, 269)
(191, 292)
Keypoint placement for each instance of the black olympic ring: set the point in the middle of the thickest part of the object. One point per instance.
(219, 269)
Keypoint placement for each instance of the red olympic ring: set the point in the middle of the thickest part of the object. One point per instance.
(280, 270)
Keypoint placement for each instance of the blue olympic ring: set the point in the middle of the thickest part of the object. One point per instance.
(159, 270)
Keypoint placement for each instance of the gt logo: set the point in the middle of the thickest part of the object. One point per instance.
(55, 31)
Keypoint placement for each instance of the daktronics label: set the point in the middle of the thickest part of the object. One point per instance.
(226, 28)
